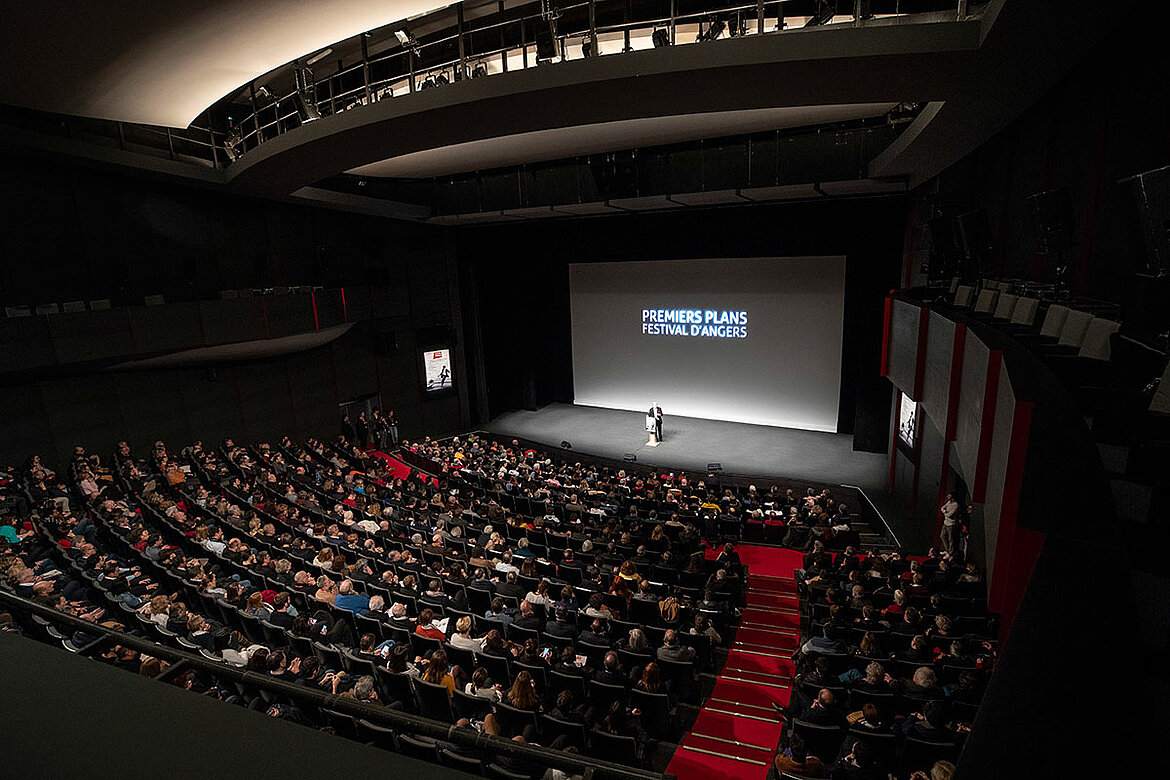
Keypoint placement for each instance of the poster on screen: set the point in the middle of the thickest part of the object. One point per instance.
(437, 369)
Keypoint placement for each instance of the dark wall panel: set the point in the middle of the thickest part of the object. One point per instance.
(265, 403)
(211, 400)
(238, 319)
(83, 336)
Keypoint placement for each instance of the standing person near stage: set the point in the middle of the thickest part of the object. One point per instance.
(950, 520)
(378, 429)
(362, 428)
(656, 413)
(392, 426)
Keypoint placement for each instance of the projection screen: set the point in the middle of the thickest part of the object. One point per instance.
(754, 340)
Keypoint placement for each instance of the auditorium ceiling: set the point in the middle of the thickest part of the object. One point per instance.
(161, 63)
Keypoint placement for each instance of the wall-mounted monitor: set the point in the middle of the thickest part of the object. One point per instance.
(907, 422)
(437, 369)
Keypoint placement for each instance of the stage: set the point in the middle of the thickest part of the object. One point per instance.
(690, 443)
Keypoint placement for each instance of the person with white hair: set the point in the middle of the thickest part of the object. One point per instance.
(348, 598)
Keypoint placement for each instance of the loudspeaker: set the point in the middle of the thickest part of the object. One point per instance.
(1161, 400)
(629, 457)
(714, 467)
(1052, 217)
(974, 233)
(942, 235)
(1149, 195)
(546, 44)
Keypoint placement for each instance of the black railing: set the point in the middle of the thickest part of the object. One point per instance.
(394, 719)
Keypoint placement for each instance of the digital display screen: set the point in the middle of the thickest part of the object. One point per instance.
(754, 340)
(437, 369)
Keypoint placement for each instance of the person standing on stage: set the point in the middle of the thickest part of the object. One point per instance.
(656, 413)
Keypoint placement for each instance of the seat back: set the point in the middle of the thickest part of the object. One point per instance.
(655, 709)
(464, 763)
(378, 736)
(551, 728)
(884, 744)
(1098, 343)
(1005, 305)
(416, 747)
(395, 687)
(602, 694)
(1054, 320)
(964, 296)
(343, 725)
(922, 754)
(823, 741)
(329, 656)
(459, 656)
(471, 707)
(620, 750)
(497, 667)
(1075, 325)
(424, 646)
(985, 303)
(513, 720)
(434, 700)
(574, 683)
(1024, 312)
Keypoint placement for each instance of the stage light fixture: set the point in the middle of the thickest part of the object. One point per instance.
(713, 31)
(306, 96)
(826, 10)
(661, 38)
(233, 144)
(318, 56)
(566, 446)
(264, 95)
(408, 41)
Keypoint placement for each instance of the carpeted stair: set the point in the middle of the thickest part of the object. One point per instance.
(737, 730)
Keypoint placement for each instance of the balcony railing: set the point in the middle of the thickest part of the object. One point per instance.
(468, 40)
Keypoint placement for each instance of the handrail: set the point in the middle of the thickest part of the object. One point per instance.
(249, 132)
(873, 508)
(414, 724)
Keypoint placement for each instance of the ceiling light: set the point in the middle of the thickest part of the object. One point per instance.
(318, 57)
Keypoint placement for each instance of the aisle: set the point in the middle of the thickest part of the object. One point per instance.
(737, 730)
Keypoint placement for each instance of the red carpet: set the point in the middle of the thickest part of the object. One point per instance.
(737, 730)
(397, 469)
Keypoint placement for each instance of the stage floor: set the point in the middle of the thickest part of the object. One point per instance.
(690, 443)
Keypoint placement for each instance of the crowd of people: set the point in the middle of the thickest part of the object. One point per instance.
(892, 668)
(498, 575)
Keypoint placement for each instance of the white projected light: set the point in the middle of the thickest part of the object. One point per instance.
(755, 340)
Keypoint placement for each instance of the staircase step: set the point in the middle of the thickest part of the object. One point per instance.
(704, 764)
(745, 728)
(758, 696)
